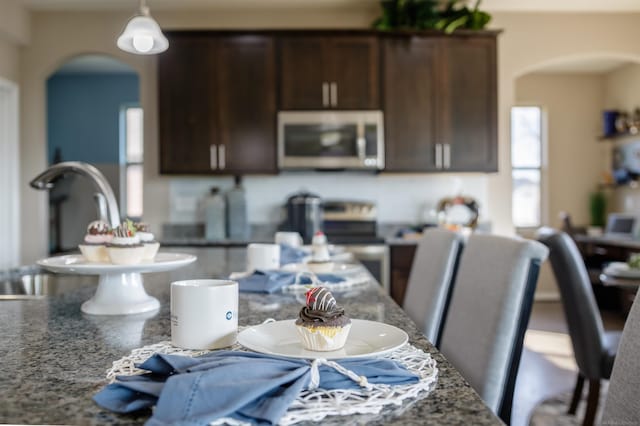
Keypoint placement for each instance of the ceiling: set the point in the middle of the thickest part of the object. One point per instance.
(490, 5)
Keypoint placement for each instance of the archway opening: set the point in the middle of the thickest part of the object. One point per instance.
(93, 116)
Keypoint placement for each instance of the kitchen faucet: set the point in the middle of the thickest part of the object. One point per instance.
(105, 199)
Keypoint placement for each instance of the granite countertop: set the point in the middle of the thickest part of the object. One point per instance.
(54, 357)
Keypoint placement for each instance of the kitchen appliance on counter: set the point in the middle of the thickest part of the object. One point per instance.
(354, 224)
(304, 215)
(331, 140)
(350, 221)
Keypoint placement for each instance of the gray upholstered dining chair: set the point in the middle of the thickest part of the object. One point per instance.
(489, 313)
(594, 349)
(622, 405)
(430, 282)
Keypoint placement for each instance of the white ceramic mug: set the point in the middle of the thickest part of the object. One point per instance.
(292, 239)
(204, 314)
(263, 256)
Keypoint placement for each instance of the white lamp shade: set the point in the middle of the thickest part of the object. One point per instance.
(142, 36)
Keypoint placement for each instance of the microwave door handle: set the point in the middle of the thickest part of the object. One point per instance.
(361, 142)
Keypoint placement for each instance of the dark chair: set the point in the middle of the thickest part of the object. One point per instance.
(432, 273)
(489, 312)
(622, 406)
(594, 349)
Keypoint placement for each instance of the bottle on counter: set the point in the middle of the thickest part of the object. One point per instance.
(214, 216)
(237, 223)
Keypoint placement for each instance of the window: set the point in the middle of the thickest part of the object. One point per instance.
(133, 150)
(526, 165)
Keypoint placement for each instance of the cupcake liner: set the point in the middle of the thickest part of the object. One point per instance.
(125, 255)
(323, 338)
(150, 250)
(94, 253)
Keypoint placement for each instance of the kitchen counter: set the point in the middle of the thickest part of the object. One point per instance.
(54, 357)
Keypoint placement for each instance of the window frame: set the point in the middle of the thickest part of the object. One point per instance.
(123, 160)
(543, 169)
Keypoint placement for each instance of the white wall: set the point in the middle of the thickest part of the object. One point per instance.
(9, 173)
(573, 106)
(528, 41)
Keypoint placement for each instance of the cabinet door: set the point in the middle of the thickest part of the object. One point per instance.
(247, 104)
(187, 121)
(469, 110)
(353, 64)
(303, 81)
(410, 104)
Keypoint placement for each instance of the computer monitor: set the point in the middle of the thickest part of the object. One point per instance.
(621, 225)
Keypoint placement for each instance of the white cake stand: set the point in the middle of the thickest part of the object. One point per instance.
(120, 290)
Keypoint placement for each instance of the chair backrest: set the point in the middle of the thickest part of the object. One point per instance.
(430, 282)
(622, 406)
(579, 303)
(489, 313)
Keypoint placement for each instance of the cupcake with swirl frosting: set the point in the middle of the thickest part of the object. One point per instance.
(322, 324)
(147, 239)
(94, 246)
(125, 247)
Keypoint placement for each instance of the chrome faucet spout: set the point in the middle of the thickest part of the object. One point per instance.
(44, 181)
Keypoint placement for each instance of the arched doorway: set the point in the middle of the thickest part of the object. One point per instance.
(94, 116)
(572, 94)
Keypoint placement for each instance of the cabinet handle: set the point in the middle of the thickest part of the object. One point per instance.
(213, 157)
(438, 156)
(325, 94)
(334, 94)
(222, 157)
(447, 155)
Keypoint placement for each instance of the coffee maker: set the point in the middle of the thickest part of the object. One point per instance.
(304, 215)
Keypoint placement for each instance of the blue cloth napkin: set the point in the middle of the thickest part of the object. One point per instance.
(271, 281)
(290, 254)
(246, 386)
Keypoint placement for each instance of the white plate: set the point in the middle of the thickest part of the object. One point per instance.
(622, 270)
(366, 339)
(337, 269)
(77, 264)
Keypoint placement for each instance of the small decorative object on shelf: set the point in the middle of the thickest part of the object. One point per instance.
(617, 124)
(609, 119)
(431, 14)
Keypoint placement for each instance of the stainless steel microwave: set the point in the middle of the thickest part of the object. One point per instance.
(351, 140)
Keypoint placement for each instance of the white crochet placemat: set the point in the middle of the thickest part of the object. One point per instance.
(316, 404)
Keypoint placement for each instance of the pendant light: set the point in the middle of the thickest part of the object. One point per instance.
(142, 35)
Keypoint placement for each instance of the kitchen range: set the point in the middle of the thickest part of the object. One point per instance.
(349, 223)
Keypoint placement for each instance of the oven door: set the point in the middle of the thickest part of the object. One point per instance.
(330, 140)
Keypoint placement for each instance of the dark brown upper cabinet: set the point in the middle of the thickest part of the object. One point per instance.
(440, 103)
(329, 72)
(217, 104)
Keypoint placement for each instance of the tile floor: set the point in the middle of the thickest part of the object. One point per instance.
(547, 366)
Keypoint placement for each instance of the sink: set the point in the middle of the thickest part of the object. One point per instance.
(24, 283)
(32, 282)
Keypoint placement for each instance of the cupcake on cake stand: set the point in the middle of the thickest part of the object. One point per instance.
(120, 287)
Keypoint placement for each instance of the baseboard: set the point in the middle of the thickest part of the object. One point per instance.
(546, 296)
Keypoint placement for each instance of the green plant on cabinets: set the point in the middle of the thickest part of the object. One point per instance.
(431, 14)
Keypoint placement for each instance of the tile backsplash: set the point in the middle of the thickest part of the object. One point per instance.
(400, 198)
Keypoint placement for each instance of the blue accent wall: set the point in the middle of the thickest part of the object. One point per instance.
(83, 115)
